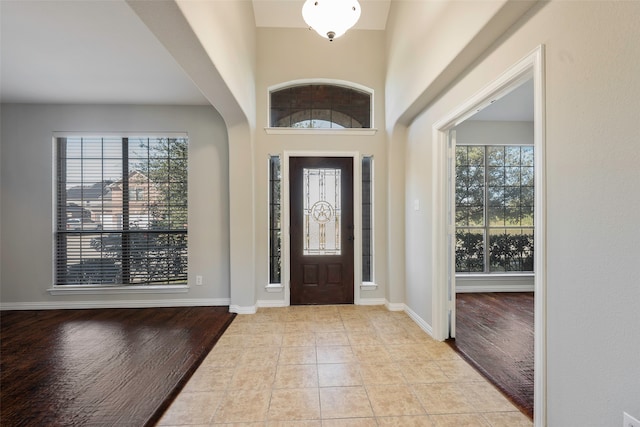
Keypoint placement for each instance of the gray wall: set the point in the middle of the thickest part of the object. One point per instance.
(27, 198)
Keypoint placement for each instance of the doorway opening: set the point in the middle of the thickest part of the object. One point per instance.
(529, 68)
(494, 243)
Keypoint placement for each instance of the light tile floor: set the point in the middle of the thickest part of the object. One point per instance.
(335, 366)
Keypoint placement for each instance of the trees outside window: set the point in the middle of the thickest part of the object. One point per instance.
(494, 209)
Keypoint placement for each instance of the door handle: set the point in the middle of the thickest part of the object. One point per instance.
(351, 238)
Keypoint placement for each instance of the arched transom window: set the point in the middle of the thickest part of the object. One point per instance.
(320, 106)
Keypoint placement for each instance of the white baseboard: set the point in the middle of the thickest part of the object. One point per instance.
(395, 306)
(423, 325)
(494, 283)
(271, 303)
(461, 289)
(372, 301)
(63, 305)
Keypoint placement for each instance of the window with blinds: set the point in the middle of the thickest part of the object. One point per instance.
(121, 211)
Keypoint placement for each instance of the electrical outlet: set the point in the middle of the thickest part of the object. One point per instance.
(629, 421)
(199, 280)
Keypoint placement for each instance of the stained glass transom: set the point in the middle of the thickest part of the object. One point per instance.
(322, 211)
(316, 106)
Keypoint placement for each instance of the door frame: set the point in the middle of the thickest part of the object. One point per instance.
(531, 66)
(357, 218)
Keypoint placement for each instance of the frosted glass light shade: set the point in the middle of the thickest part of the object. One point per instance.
(331, 18)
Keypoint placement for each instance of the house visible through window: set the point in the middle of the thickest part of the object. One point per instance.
(121, 211)
(136, 194)
(494, 209)
(320, 106)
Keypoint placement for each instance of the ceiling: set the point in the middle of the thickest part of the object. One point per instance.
(100, 52)
(517, 105)
(86, 52)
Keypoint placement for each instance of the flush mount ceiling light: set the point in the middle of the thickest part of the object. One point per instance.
(331, 18)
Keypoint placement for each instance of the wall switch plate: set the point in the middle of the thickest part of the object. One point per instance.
(629, 421)
(416, 205)
(198, 280)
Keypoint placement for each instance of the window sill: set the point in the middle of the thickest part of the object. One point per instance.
(274, 287)
(110, 290)
(505, 282)
(319, 131)
(494, 276)
(368, 286)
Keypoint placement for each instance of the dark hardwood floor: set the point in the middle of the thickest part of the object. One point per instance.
(112, 367)
(495, 333)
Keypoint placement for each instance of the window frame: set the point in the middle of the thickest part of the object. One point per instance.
(486, 227)
(105, 289)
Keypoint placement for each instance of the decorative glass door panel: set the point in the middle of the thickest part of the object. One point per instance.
(321, 231)
(321, 211)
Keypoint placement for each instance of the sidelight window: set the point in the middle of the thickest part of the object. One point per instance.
(367, 219)
(275, 217)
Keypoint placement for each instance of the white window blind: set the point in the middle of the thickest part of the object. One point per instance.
(121, 211)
